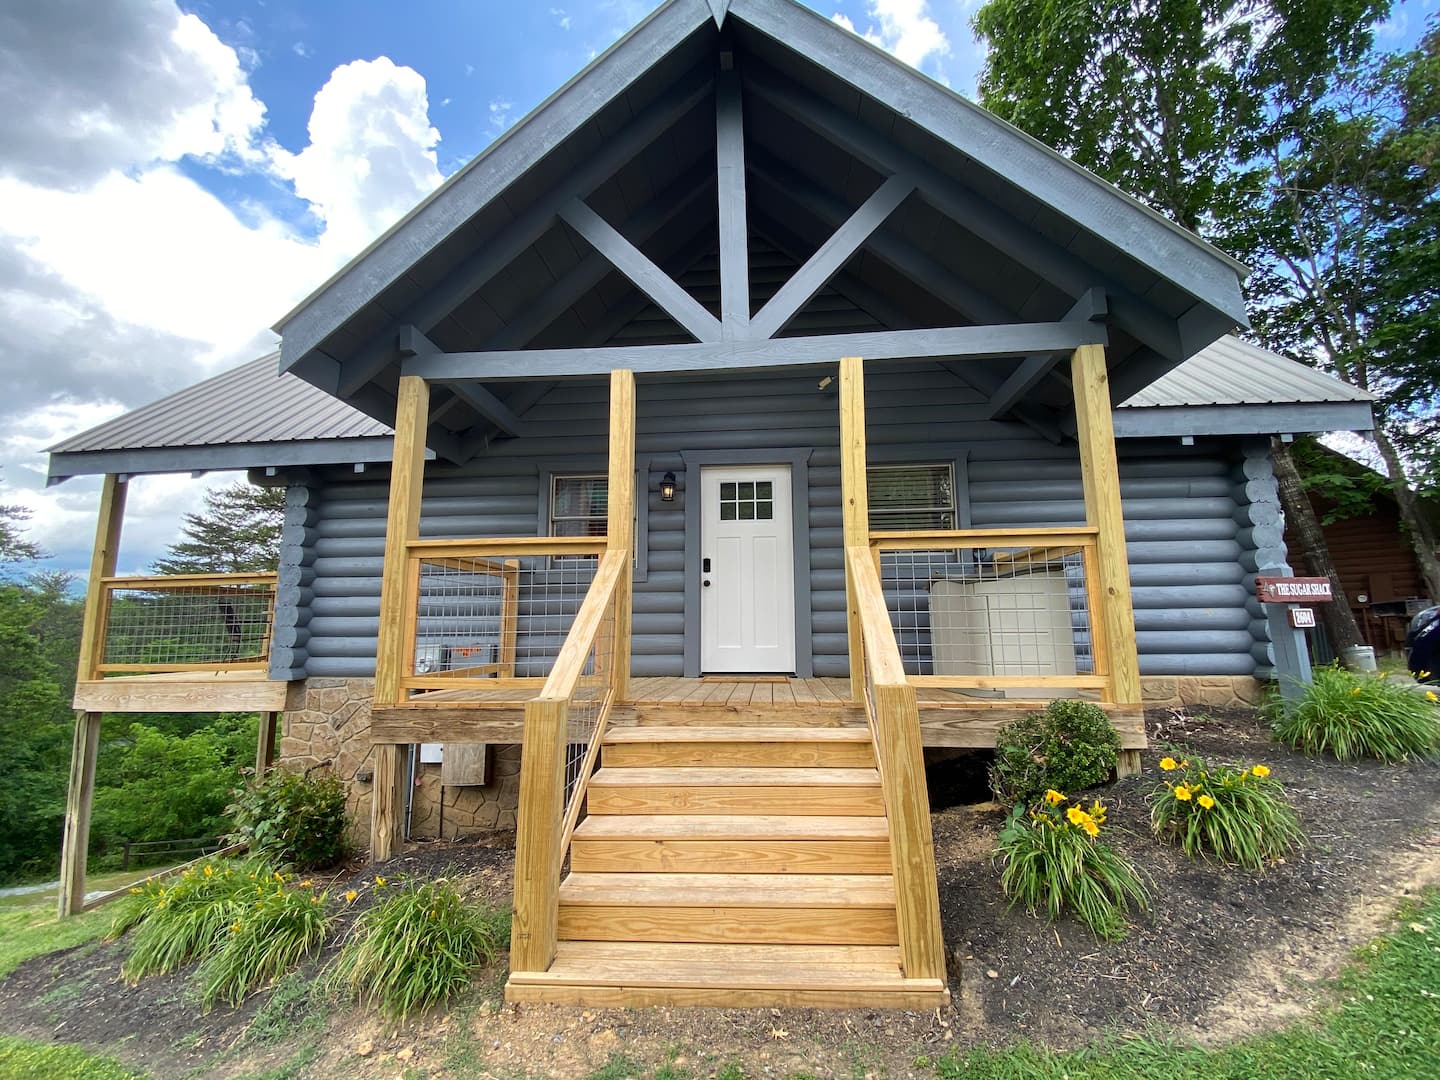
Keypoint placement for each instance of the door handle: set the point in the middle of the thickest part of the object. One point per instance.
(706, 583)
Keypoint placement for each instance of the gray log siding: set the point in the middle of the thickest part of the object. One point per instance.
(1197, 518)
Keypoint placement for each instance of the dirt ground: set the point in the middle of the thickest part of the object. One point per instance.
(1222, 954)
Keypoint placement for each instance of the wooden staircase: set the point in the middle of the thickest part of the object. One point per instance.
(731, 865)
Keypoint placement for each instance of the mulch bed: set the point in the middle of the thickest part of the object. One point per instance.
(1224, 951)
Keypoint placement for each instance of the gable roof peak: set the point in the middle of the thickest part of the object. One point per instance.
(719, 9)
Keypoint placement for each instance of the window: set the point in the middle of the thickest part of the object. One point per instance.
(748, 501)
(578, 505)
(911, 496)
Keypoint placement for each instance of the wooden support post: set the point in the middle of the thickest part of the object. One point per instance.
(402, 525)
(265, 743)
(387, 802)
(75, 840)
(620, 526)
(1100, 474)
(394, 653)
(536, 908)
(75, 844)
(1127, 764)
(855, 500)
(509, 617)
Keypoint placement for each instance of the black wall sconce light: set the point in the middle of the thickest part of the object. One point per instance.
(667, 487)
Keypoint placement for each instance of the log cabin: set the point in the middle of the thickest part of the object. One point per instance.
(734, 428)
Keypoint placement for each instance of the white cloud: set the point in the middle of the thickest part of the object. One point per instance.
(302, 50)
(905, 28)
(558, 14)
(500, 115)
(371, 156)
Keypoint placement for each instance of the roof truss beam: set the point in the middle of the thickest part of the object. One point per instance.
(963, 342)
(637, 266)
(1034, 368)
(832, 256)
(490, 407)
(730, 182)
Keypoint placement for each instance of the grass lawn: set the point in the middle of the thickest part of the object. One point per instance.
(31, 932)
(48, 897)
(21, 1060)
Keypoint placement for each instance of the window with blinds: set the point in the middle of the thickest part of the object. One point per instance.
(912, 496)
(578, 505)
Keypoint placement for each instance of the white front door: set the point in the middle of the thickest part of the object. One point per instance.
(747, 570)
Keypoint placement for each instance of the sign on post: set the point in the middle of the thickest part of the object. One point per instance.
(1293, 590)
(1302, 618)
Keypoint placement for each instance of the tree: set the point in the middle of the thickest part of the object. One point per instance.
(238, 532)
(14, 548)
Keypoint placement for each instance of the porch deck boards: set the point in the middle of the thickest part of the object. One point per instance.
(948, 718)
(182, 691)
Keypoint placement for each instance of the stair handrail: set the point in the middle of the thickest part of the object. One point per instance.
(546, 816)
(894, 717)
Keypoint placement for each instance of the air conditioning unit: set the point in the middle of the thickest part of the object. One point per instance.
(431, 658)
(1013, 625)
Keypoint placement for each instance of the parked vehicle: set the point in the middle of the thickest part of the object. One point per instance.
(1423, 645)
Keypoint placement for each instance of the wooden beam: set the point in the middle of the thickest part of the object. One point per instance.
(489, 407)
(734, 228)
(1101, 479)
(960, 342)
(1090, 307)
(75, 842)
(855, 505)
(402, 525)
(638, 267)
(977, 215)
(509, 242)
(387, 802)
(535, 908)
(265, 743)
(102, 565)
(620, 524)
(833, 254)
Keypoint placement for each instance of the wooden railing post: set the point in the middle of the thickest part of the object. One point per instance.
(509, 617)
(1100, 474)
(75, 840)
(855, 500)
(397, 605)
(536, 909)
(620, 524)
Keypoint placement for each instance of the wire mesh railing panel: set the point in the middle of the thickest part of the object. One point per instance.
(493, 616)
(157, 628)
(990, 611)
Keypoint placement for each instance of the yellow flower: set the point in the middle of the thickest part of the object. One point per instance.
(1354, 690)
(1053, 797)
(1097, 812)
(1422, 675)
(1206, 801)
(314, 899)
(1167, 763)
(1182, 793)
(235, 928)
(350, 896)
(307, 884)
(279, 877)
(1431, 696)
(137, 890)
(1076, 815)
(379, 882)
(209, 870)
(1090, 827)
(1261, 771)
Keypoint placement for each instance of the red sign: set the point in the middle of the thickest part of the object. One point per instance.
(1302, 617)
(1293, 590)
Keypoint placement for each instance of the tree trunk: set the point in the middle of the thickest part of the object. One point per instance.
(1417, 527)
(1338, 619)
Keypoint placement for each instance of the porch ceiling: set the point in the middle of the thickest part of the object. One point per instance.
(994, 229)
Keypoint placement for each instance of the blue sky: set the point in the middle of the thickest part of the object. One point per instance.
(175, 177)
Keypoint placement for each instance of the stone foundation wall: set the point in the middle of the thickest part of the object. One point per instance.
(327, 723)
(1212, 691)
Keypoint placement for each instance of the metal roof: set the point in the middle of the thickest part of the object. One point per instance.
(1235, 372)
(248, 404)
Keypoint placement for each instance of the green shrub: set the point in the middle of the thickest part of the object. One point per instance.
(294, 819)
(1354, 716)
(178, 919)
(1239, 815)
(1069, 747)
(269, 936)
(417, 947)
(1052, 861)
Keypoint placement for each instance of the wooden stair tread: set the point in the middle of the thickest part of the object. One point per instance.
(681, 734)
(703, 776)
(723, 966)
(729, 890)
(722, 827)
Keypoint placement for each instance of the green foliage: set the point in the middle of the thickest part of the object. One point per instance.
(24, 1060)
(1355, 716)
(296, 819)
(1052, 861)
(270, 935)
(295, 1006)
(1348, 487)
(179, 919)
(14, 548)
(32, 932)
(1237, 814)
(417, 947)
(1069, 747)
(237, 532)
(1384, 1026)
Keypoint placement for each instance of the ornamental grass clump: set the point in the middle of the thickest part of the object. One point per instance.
(1353, 716)
(1236, 814)
(1052, 860)
(178, 919)
(1070, 746)
(417, 946)
(271, 933)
